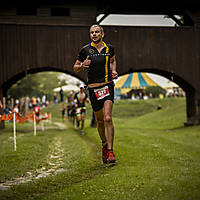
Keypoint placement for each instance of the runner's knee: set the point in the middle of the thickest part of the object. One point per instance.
(100, 122)
(108, 119)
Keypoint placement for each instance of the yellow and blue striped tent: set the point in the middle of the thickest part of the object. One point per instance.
(136, 80)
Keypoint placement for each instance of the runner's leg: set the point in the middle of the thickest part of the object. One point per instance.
(100, 125)
(78, 117)
(109, 128)
(82, 120)
(101, 129)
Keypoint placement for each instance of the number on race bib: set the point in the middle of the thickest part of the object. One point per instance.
(102, 92)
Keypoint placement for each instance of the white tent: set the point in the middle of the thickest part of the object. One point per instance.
(67, 88)
(162, 81)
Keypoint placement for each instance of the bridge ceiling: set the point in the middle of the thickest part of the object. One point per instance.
(146, 7)
(164, 7)
(113, 7)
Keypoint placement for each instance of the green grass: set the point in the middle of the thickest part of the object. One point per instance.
(158, 158)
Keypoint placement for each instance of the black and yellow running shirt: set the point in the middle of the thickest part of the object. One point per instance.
(99, 70)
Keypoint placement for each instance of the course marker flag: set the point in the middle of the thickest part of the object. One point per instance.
(14, 132)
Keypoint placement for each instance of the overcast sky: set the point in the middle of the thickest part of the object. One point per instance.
(137, 20)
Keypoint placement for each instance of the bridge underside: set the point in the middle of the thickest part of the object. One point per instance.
(30, 47)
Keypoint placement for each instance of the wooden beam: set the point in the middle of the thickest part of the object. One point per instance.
(102, 18)
(176, 20)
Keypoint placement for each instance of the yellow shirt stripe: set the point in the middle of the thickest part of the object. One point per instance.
(106, 64)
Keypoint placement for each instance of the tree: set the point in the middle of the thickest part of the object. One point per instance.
(24, 87)
(38, 84)
(155, 91)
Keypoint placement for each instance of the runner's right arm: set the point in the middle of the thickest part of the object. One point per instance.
(78, 66)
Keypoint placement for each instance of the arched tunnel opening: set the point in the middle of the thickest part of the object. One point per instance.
(182, 88)
(184, 85)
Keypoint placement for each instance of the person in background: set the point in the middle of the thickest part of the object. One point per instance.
(34, 101)
(93, 121)
(16, 109)
(44, 101)
(55, 99)
(63, 111)
(36, 109)
(80, 99)
(61, 95)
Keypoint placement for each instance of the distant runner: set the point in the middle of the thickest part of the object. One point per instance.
(80, 98)
(98, 59)
(63, 112)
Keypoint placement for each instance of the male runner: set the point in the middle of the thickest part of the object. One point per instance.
(98, 58)
(80, 98)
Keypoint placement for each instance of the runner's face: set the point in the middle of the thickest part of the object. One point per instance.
(81, 89)
(96, 35)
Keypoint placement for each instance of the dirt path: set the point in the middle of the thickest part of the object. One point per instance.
(52, 167)
(62, 126)
(44, 127)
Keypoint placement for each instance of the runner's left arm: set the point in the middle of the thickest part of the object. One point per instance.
(113, 67)
(113, 63)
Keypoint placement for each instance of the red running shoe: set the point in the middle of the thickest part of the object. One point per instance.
(111, 156)
(104, 153)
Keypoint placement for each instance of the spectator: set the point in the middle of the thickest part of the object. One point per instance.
(61, 95)
(44, 101)
(55, 99)
(37, 110)
(16, 109)
(63, 113)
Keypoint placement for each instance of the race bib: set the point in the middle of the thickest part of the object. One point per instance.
(102, 92)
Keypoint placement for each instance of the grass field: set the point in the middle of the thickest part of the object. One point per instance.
(157, 157)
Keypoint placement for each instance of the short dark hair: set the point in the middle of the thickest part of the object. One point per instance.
(97, 25)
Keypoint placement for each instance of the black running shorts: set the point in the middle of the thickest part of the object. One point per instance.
(99, 95)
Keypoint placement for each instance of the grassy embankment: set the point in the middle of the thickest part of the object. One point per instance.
(158, 158)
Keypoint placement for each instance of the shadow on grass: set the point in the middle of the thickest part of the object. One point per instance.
(180, 128)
